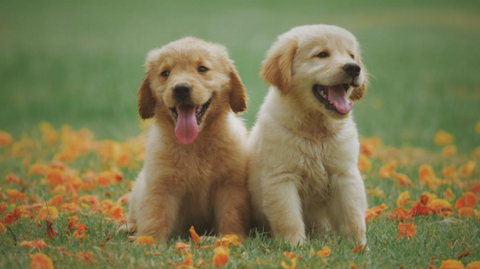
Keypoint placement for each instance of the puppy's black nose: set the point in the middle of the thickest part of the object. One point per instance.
(352, 69)
(182, 91)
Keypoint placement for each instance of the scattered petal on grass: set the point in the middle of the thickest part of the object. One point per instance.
(144, 240)
(12, 216)
(40, 261)
(451, 264)
(293, 264)
(402, 199)
(221, 256)
(195, 238)
(37, 244)
(186, 263)
(358, 248)
(47, 212)
(228, 239)
(406, 229)
(324, 252)
(463, 254)
(374, 212)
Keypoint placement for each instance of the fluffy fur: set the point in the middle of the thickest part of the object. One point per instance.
(303, 173)
(202, 183)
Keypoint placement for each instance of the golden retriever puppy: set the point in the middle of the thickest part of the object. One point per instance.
(195, 164)
(303, 150)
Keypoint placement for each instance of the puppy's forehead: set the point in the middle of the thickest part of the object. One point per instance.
(186, 51)
(325, 37)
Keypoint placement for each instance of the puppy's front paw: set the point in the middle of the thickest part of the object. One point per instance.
(127, 228)
(295, 240)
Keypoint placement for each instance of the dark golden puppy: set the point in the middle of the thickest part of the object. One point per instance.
(195, 164)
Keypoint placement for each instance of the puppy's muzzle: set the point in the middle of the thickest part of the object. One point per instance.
(352, 69)
(182, 92)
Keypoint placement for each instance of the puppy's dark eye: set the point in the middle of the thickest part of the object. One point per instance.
(322, 54)
(165, 73)
(202, 69)
(352, 56)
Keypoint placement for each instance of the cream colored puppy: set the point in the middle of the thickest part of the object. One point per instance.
(195, 162)
(304, 147)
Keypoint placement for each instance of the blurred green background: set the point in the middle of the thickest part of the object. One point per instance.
(80, 62)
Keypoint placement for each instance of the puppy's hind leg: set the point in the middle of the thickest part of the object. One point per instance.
(282, 206)
(347, 205)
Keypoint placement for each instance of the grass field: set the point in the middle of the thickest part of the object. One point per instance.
(80, 63)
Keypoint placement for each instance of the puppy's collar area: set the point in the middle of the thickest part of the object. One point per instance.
(188, 119)
(334, 97)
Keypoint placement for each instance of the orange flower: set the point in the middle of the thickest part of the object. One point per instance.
(407, 229)
(38, 169)
(81, 232)
(427, 197)
(50, 135)
(353, 266)
(12, 216)
(324, 252)
(402, 199)
(51, 232)
(40, 261)
(47, 212)
(443, 138)
(357, 248)
(449, 194)
(473, 265)
(228, 239)
(374, 212)
(403, 180)
(427, 176)
(293, 264)
(5, 139)
(12, 178)
(221, 256)
(86, 257)
(449, 150)
(451, 264)
(92, 199)
(387, 170)
(466, 212)
(196, 239)
(38, 244)
(376, 192)
(116, 212)
(144, 240)
(71, 207)
(449, 172)
(72, 222)
(56, 200)
(364, 164)
(439, 205)
(14, 195)
(467, 169)
(55, 177)
(3, 207)
(468, 200)
(187, 263)
(182, 247)
(105, 206)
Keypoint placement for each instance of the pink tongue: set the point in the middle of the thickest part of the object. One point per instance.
(187, 128)
(338, 97)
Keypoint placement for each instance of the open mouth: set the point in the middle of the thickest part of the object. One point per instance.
(188, 119)
(334, 97)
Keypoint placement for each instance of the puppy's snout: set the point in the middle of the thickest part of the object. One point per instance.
(352, 69)
(182, 91)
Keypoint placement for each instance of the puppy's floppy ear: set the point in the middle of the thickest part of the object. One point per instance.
(276, 68)
(146, 101)
(238, 94)
(359, 91)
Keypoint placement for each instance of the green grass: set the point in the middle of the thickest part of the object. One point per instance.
(80, 63)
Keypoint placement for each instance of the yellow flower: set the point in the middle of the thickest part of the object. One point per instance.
(402, 199)
(443, 138)
(40, 261)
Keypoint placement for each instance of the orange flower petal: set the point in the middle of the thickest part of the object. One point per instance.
(324, 252)
(40, 261)
(451, 264)
(144, 240)
(222, 254)
(406, 229)
(196, 239)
